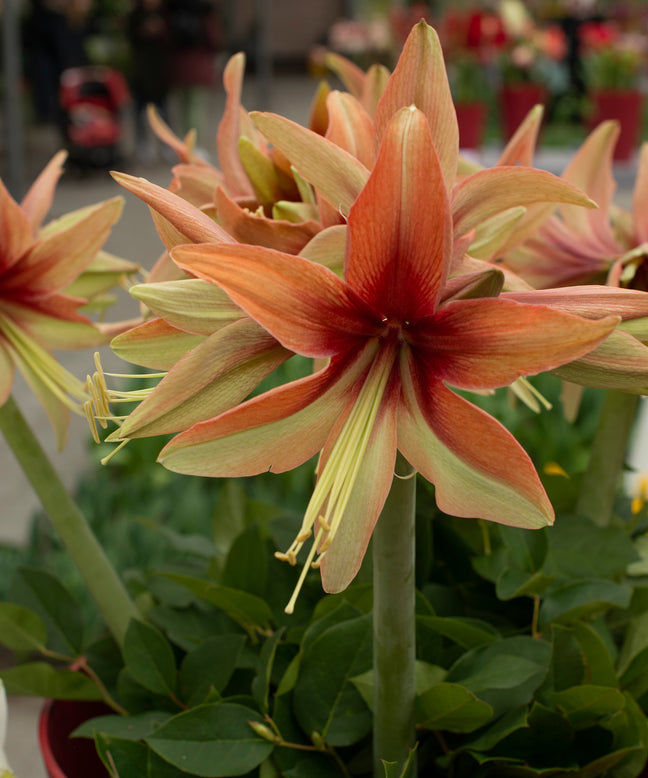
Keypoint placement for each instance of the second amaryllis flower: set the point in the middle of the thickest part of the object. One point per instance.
(395, 342)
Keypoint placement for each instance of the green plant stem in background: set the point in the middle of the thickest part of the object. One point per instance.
(102, 581)
(394, 642)
(601, 478)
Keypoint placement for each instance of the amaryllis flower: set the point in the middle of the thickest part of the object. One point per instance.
(37, 314)
(396, 339)
(607, 245)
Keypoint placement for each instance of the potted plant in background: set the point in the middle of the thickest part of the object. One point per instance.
(471, 40)
(531, 66)
(613, 60)
(507, 657)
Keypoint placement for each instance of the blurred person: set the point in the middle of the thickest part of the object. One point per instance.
(149, 39)
(196, 38)
(54, 39)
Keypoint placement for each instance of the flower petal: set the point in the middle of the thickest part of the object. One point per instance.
(620, 362)
(591, 170)
(640, 197)
(275, 431)
(420, 79)
(55, 324)
(250, 228)
(338, 175)
(521, 147)
(54, 261)
(485, 343)
(154, 344)
(191, 304)
(305, 306)
(6, 372)
(478, 468)
(350, 127)
(185, 217)
(214, 376)
(497, 189)
(399, 227)
(229, 130)
(38, 200)
(592, 302)
(15, 230)
(342, 560)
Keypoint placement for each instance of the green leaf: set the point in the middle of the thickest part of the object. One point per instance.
(290, 676)
(43, 593)
(246, 609)
(246, 566)
(599, 663)
(468, 633)
(505, 673)
(515, 582)
(323, 618)
(124, 758)
(40, 679)
(212, 740)
(510, 722)
(584, 704)
(527, 548)
(580, 549)
(209, 666)
(261, 684)
(580, 599)
(21, 629)
(453, 708)
(149, 658)
(123, 727)
(325, 698)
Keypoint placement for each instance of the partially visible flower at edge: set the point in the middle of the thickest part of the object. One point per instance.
(42, 270)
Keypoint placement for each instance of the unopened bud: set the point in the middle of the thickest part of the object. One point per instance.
(264, 731)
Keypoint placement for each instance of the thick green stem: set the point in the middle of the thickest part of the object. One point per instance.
(601, 479)
(98, 574)
(394, 643)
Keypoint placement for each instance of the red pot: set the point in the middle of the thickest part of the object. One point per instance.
(67, 757)
(516, 100)
(471, 118)
(626, 107)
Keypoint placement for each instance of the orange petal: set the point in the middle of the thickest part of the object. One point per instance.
(485, 343)
(640, 197)
(246, 227)
(40, 196)
(350, 127)
(209, 379)
(276, 431)
(477, 467)
(154, 344)
(399, 227)
(305, 306)
(420, 79)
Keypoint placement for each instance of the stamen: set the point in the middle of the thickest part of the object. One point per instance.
(338, 475)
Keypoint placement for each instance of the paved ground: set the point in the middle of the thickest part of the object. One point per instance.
(133, 238)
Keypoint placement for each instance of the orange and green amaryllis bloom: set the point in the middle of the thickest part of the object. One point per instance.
(395, 340)
(38, 267)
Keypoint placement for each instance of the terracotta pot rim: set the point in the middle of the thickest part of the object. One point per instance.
(52, 766)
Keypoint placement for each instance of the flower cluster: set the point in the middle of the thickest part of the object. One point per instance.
(366, 244)
(612, 58)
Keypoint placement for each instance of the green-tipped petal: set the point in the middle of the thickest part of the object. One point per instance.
(154, 344)
(492, 191)
(442, 436)
(211, 378)
(338, 175)
(191, 304)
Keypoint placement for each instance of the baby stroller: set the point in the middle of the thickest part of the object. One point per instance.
(92, 101)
